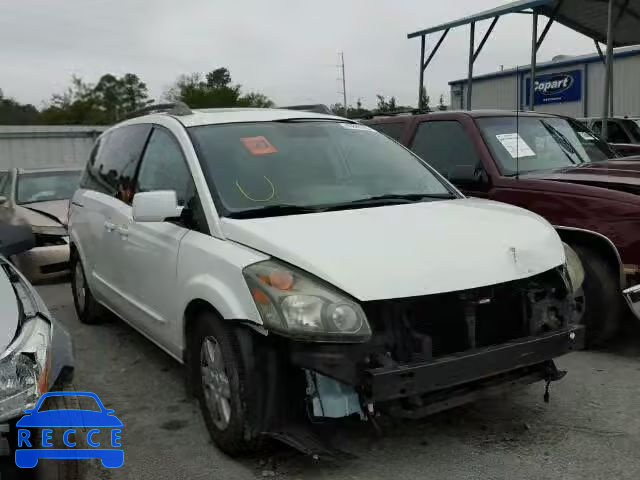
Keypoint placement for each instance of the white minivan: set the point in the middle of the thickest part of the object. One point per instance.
(303, 266)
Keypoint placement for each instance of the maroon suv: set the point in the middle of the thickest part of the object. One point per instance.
(557, 168)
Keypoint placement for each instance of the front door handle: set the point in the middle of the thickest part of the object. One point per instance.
(108, 226)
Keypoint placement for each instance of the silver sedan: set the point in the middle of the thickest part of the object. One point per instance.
(40, 198)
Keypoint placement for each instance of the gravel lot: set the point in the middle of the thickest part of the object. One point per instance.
(590, 430)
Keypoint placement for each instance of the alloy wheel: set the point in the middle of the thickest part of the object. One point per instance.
(215, 383)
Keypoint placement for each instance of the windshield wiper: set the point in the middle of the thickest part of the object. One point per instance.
(274, 211)
(564, 143)
(407, 197)
(376, 201)
(390, 199)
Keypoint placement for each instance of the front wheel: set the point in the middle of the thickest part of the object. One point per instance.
(221, 387)
(601, 297)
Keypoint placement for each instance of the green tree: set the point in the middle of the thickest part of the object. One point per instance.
(357, 112)
(441, 104)
(256, 100)
(382, 105)
(106, 102)
(214, 90)
(14, 113)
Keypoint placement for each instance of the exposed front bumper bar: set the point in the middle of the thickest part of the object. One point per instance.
(395, 382)
(632, 294)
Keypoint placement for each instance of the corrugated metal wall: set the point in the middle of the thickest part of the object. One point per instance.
(501, 92)
(626, 87)
(44, 146)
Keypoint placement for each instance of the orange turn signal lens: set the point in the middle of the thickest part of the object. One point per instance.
(281, 280)
(260, 297)
(43, 380)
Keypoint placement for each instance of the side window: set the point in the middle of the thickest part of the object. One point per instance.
(615, 133)
(114, 160)
(164, 167)
(444, 145)
(392, 130)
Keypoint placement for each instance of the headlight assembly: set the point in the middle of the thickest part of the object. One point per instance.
(294, 304)
(574, 267)
(24, 368)
(53, 230)
(24, 365)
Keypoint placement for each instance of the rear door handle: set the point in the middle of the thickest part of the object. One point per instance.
(109, 227)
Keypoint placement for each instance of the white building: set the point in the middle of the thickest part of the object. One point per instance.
(572, 86)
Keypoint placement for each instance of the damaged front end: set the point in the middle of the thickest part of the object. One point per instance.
(421, 354)
(431, 353)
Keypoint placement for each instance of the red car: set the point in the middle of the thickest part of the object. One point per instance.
(557, 168)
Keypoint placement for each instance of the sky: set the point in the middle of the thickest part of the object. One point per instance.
(286, 49)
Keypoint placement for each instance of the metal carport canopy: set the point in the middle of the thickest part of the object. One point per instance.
(588, 17)
(593, 18)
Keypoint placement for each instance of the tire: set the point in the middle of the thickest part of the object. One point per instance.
(88, 310)
(235, 436)
(603, 302)
(46, 469)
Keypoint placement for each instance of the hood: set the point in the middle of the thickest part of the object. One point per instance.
(55, 211)
(9, 312)
(624, 171)
(408, 250)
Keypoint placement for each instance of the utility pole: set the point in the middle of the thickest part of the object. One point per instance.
(344, 85)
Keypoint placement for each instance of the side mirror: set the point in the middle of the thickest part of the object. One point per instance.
(155, 206)
(466, 174)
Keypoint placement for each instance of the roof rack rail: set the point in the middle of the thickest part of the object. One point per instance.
(317, 108)
(174, 108)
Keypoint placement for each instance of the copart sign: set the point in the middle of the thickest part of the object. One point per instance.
(556, 88)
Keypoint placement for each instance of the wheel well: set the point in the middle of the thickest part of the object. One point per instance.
(194, 308)
(597, 243)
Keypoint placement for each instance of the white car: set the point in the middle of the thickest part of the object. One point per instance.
(36, 354)
(303, 265)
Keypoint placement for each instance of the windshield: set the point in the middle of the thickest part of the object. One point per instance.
(308, 164)
(46, 186)
(528, 144)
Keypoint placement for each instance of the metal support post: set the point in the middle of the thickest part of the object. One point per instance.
(421, 66)
(534, 56)
(607, 72)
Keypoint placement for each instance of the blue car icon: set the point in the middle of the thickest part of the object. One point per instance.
(28, 456)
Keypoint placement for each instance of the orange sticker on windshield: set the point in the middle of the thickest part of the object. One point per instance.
(258, 145)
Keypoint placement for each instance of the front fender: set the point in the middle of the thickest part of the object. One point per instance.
(230, 303)
(603, 242)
